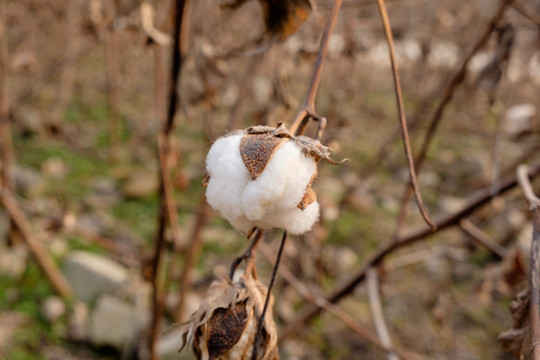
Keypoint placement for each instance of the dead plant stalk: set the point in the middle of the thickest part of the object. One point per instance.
(401, 112)
(534, 288)
(456, 80)
(163, 213)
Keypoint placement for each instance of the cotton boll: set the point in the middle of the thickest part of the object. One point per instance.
(297, 221)
(260, 181)
(281, 185)
(228, 176)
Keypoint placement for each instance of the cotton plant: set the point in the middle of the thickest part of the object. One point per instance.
(257, 178)
(262, 177)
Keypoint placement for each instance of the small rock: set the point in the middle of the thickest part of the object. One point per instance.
(90, 275)
(29, 181)
(13, 260)
(53, 308)
(78, 322)
(103, 194)
(141, 184)
(116, 323)
(262, 90)
(10, 322)
(54, 168)
(518, 119)
(443, 54)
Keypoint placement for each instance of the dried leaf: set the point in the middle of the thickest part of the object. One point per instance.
(225, 329)
(517, 339)
(283, 17)
(225, 325)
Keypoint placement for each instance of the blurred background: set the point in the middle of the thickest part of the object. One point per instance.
(84, 93)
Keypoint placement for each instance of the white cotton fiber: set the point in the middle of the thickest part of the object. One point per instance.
(269, 201)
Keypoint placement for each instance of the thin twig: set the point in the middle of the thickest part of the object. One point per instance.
(479, 199)
(268, 296)
(457, 79)
(377, 311)
(402, 119)
(168, 125)
(42, 257)
(307, 110)
(191, 254)
(68, 72)
(112, 68)
(534, 288)
(525, 11)
(481, 237)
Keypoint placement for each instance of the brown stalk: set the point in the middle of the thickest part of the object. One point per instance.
(112, 69)
(39, 252)
(6, 150)
(377, 311)
(307, 109)
(401, 111)
(525, 11)
(168, 125)
(482, 238)
(69, 70)
(522, 174)
(457, 79)
(474, 202)
(268, 296)
(191, 254)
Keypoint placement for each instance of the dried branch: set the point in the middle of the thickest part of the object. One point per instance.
(168, 125)
(191, 254)
(6, 145)
(525, 11)
(474, 202)
(401, 111)
(377, 311)
(534, 288)
(307, 110)
(457, 79)
(42, 257)
(112, 68)
(69, 70)
(481, 237)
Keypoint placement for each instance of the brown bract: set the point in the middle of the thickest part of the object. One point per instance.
(225, 325)
(261, 142)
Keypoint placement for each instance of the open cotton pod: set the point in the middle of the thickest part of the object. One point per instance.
(226, 323)
(262, 177)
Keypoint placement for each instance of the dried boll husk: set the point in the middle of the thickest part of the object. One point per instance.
(262, 176)
(226, 323)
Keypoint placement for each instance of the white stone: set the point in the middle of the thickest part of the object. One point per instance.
(53, 308)
(90, 275)
(116, 323)
(78, 322)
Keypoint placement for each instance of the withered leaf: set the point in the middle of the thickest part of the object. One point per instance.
(226, 322)
(257, 150)
(225, 328)
(283, 17)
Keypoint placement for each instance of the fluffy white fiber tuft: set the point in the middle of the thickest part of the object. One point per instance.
(271, 200)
